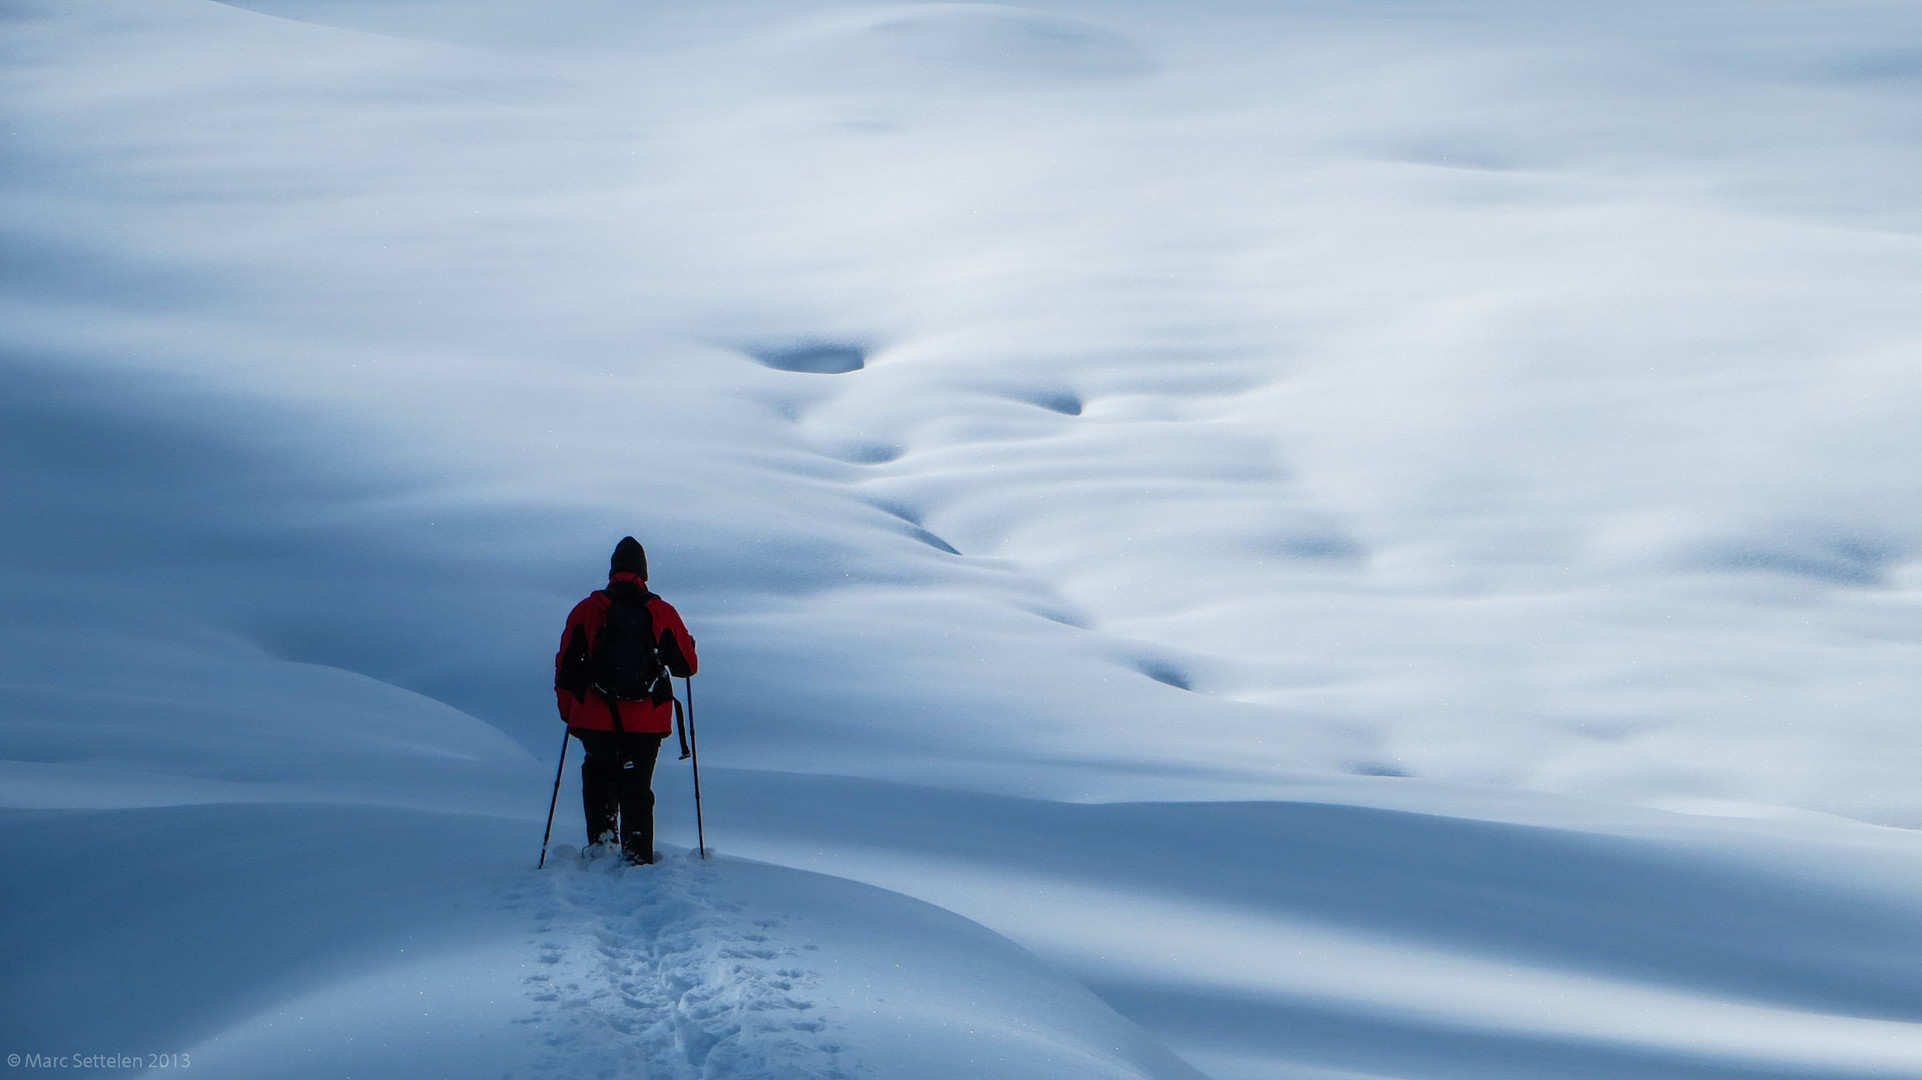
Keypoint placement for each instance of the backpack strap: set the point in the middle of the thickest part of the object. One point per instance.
(613, 710)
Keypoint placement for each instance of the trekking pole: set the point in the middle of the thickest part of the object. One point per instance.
(694, 751)
(553, 802)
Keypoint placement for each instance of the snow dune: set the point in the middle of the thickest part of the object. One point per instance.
(1271, 508)
(1397, 928)
(301, 940)
(1420, 391)
(1364, 927)
(748, 970)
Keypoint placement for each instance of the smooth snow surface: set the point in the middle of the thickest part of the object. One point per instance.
(744, 969)
(1372, 539)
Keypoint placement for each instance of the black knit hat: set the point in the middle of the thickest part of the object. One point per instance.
(629, 558)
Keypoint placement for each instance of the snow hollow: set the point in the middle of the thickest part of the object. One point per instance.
(1308, 540)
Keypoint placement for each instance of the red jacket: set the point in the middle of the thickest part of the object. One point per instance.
(580, 706)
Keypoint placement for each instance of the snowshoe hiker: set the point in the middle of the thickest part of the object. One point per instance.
(611, 680)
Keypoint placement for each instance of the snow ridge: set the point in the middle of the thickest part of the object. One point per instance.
(656, 972)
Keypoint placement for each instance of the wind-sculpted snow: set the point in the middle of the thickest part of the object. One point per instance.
(721, 968)
(307, 941)
(1436, 932)
(1412, 391)
(1382, 927)
(1373, 413)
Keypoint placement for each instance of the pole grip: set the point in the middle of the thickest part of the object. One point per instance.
(680, 729)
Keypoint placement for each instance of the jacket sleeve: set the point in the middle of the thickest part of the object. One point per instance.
(570, 664)
(677, 645)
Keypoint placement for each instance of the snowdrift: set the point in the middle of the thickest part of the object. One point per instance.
(1400, 928)
(320, 941)
(1374, 540)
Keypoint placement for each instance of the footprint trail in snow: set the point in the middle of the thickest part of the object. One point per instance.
(667, 972)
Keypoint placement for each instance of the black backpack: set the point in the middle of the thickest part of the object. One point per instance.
(626, 662)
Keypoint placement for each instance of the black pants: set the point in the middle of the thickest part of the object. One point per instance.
(617, 784)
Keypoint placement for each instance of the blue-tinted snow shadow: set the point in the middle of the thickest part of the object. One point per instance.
(157, 927)
(1363, 1042)
(136, 504)
(1667, 913)
(41, 269)
(183, 512)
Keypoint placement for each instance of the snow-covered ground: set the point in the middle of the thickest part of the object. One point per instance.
(1371, 540)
